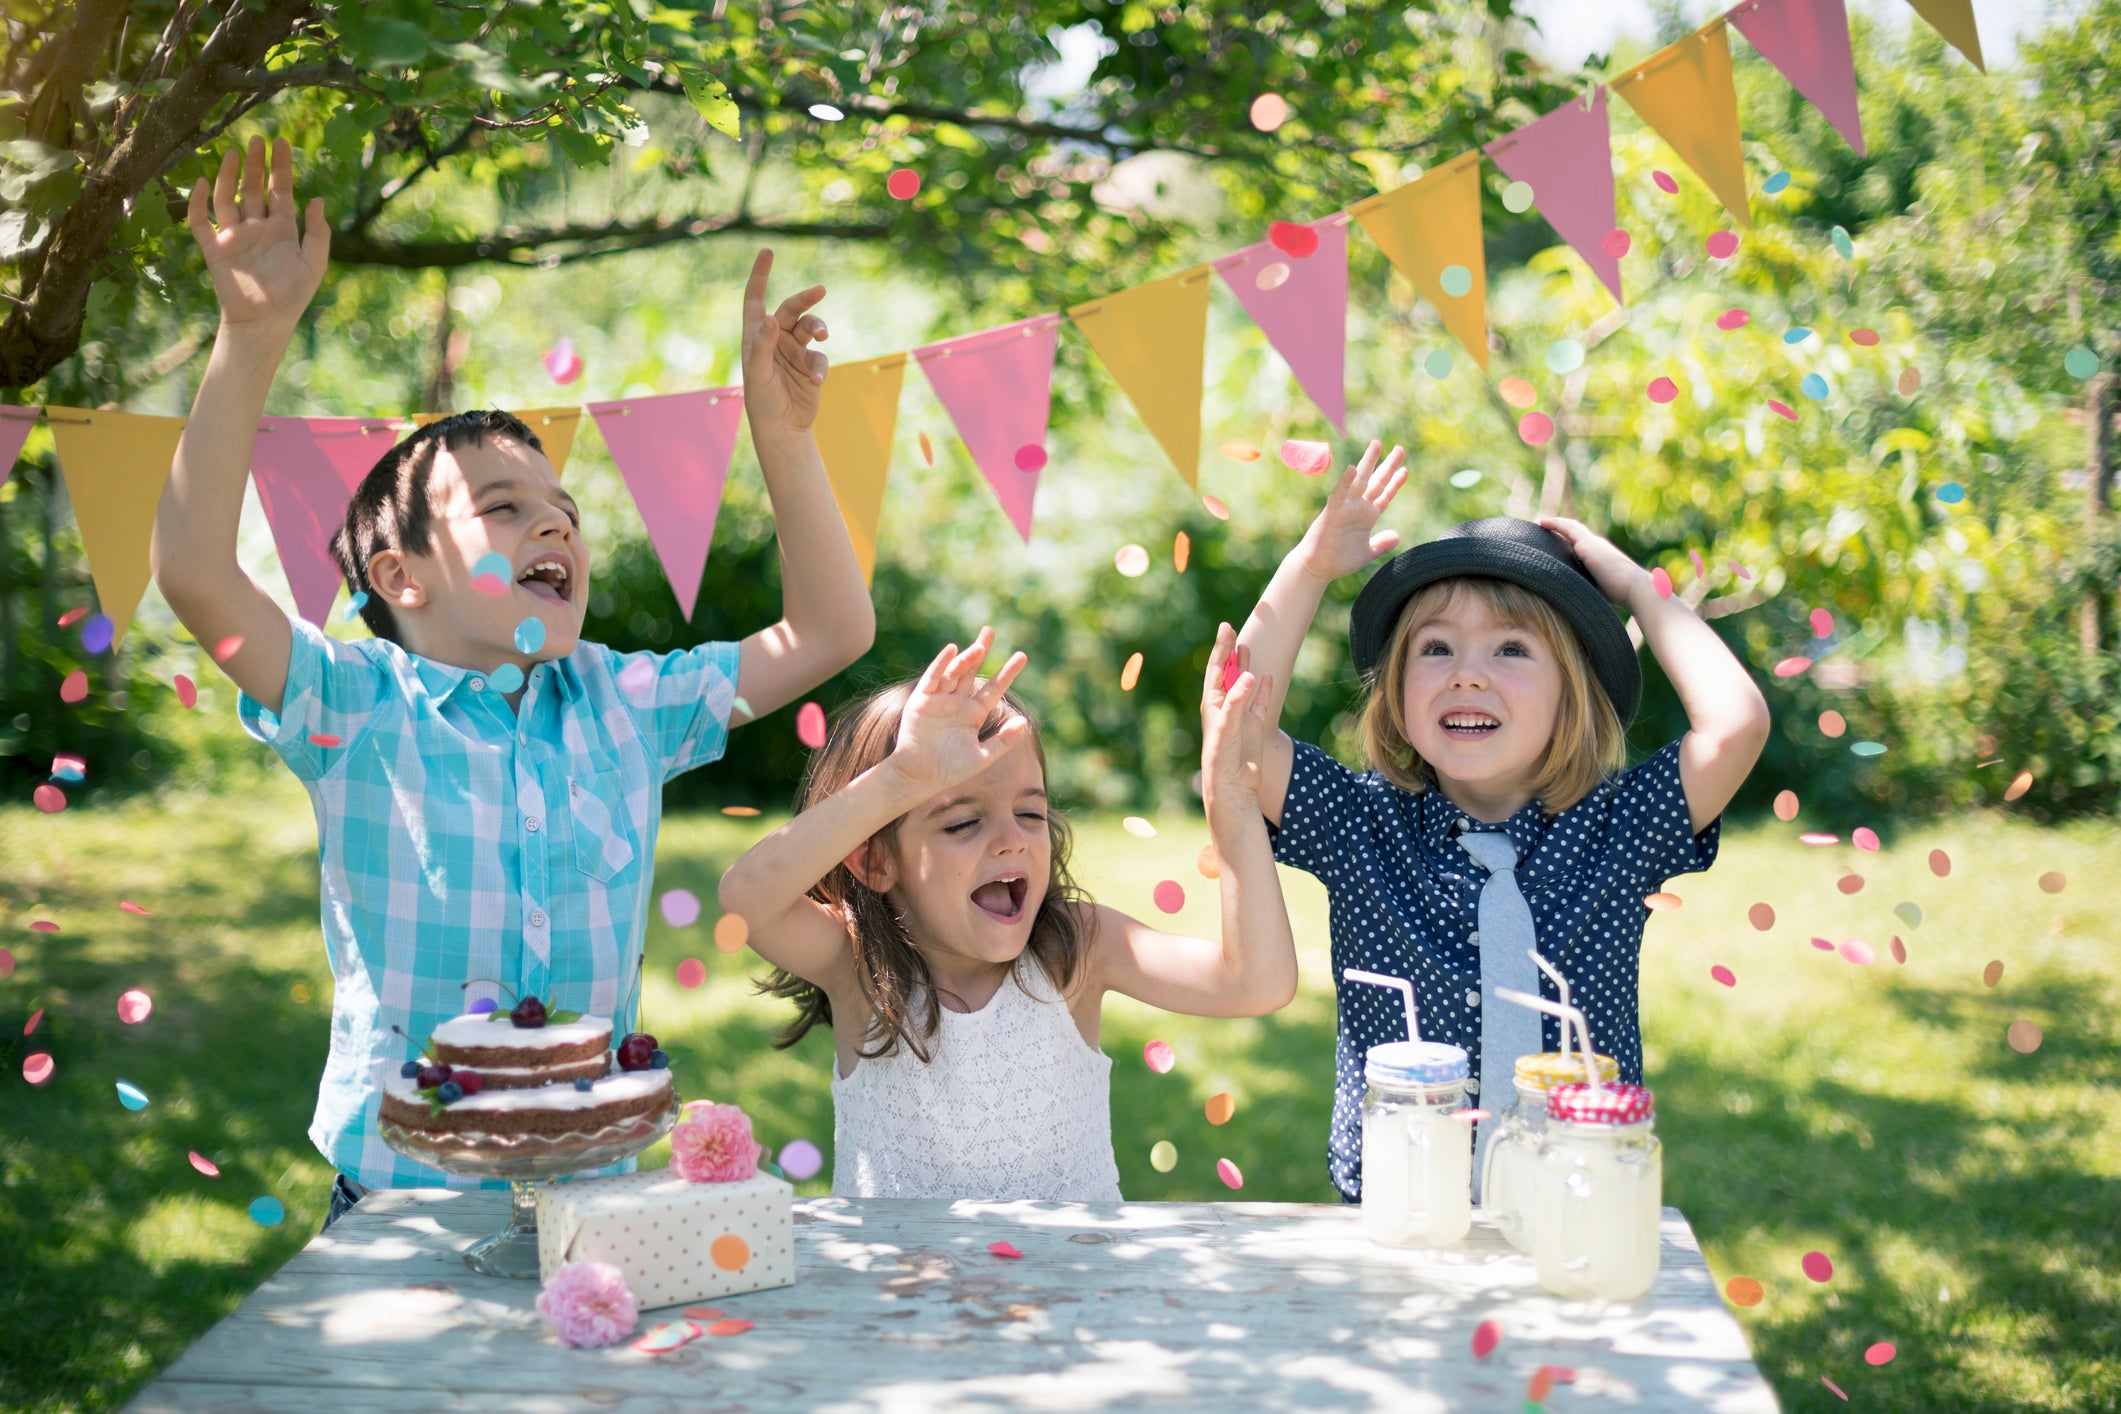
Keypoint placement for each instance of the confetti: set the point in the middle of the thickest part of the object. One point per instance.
(1782, 409)
(30, 1025)
(1818, 1266)
(1774, 184)
(562, 363)
(37, 1068)
(506, 678)
(1666, 182)
(267, 1211)
(1880, 1354)
(1181, 551)
(1466, 479)
(71, 769)
(1868, 748)
(729, 1252)
(1159, 1057)
(1910, 380)
(1864, 838)
(1230, 672)
(96, 634)
(1003, 1249)
(730, 1326)
(1722, 245)
(1867, 338)
(128, 906)
(44, 925)
(1858, 951)
(1662, 390)
(1786, 805)
(1761, 916)
(927, 449)
(2024, 1037)
(324, 739)
(1517, 197)
(1832, 723)
(1131, 561)
(530, 635)
(1822, 622)
(1131, 673)
(1438, 363)
(2080, 363)
(801, 1159)
(134, 1006)
(1661, 582)
(1796, 334)
(1951, 493)
(1517, 392)
(1473, 1116)
(72, 617)
(1908, 914)
(205, 1165)
(1239, 451)
(691, 973)
(74, 687)
(1136, 826)
(7, 963)
(1486, 1336)
(1815, 837)
(1163, 1156)
(1899, 950)
(1724, 975)
(492, 574)
(1269, 111)
(1850, 883)
(1700, 570)
(1842, 245)
(1791, 666)
(1661, 902)
(1209, 861)
(903, 185)
(1743, 1291)
(354, 606)
(1812, 386)
(49, 798)
(742, 812)
(187, 692)
(1993, 973)
(1292, 238)
(2053, 882)
(1834, 1387)
(810, 725)
(1220, 1108)
(131, 1096)
(1733, 319)
(1030, 457)
(1536, 428)
(2020, 784)
(1455, 281)
(731, 932)
(1215, 507)
(1272, 276)
(1615, 243)
(826, 113)
(1940, 863)
(704, 1313)
(1229, 1173)
(1170, 896)
(668, 1336)
(1306, 458)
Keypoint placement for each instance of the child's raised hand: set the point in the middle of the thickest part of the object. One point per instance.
(782, 373)
(265, 272)
(938, 734)
(1233, 728)
(1618, 577)
(1339, 541)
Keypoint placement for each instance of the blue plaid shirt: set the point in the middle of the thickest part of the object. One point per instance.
(459, 839)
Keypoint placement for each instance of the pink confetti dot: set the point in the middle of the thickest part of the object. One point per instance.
(325, 739)
(1865, 337)
(691, 973)
(1661, 582)
(1733, 319)
(50, 799)
(37, 1069)
(1170, 896)
(1724, 975)
(134, 1006)
(1834, 1387)
(205, 1165)
(1859, 952)
(1940, 863)
(1761, 916)
(1782, 409)
(562, 363)
(1723, 245)
(75, 687)
(7, 963)
(126, 905)
(1536, 428)
(1791, 666)
(1292, 238)
(1615, 243)
(1823, 944)
(1786, 805)
(1030, 457)
(29, 1027)
(1817, 1266)
(1269, 111)
(228, 648)
(681, 907)
(903, 184)
(1662, 390)
(1486, 1336)
(1880, 1354)
(1666, 182)
(1822, 623)
(1818, 837)
(72, 617)
(1899, 950)
(1229, 1173)
(1159, 1057)
(810, 725)
(1699, 569)
(44, 925)
(187, 692)
(1864, 837)
(1004, 1249)
(1740, 570)
(1306, 458)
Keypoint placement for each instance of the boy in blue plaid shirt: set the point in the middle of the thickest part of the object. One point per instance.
(486, 812)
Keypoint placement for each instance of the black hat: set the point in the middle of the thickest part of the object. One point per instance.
(1503, 547)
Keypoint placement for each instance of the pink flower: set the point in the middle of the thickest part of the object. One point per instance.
(713, 1144)
(587, 1303)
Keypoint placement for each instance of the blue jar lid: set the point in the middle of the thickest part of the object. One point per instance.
(1416, 1063)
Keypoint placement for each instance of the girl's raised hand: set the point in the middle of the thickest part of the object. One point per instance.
(265, 271)
(1618, 577)
(1340, 541)
(1233, 728)
(782, 373)
(938, 734)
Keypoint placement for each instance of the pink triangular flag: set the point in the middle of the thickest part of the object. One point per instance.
(673, 452)
(15, 427)
(305, 468)
(997, 386)
(1566, 158)
(1302, 308)
(1808, 41)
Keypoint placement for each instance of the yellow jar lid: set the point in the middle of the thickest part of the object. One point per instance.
(1542, 1072)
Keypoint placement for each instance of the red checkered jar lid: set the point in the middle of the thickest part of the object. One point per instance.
(1615, 1104)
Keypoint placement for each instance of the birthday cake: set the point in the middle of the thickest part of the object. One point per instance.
(524, 1071)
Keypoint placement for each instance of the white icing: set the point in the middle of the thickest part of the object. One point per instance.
(477, 1033)
(611, 1090)
(494, 1074)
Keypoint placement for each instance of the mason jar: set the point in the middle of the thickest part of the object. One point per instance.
(1417, 1159)
(1513, 1150)
(1599, 1194)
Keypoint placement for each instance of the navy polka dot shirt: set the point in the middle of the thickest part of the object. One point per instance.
(1404, 899)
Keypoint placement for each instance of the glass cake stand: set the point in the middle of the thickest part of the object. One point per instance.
(524, 1160)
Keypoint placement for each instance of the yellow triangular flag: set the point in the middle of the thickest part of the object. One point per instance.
(1954, 19)
(1428, 226)
(1685, 92)
(115, 465)
(555, 428)
(1152, 339)
(856, 414)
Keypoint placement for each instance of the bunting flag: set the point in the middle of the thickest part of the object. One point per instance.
(997, 386)
(1300, 302)
(1430, 230)
(555, 429)
(1954, 19)
(115, 464)
(15, 426)
(857, 411)
(305, 469)
(1566, 158)
(1685, 92)
(1808, 43)
(1153, 340)
(673, 452)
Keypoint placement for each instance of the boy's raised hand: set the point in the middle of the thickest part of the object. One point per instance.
(1234, 729)
(265, 272)
(782, 373)
(1340, 541)
(938, 734)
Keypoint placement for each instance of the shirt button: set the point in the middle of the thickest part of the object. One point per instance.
(537, 920)
(1474, 939)
(1472, 999)
(478, 684)
(1472, 1087)
(532, 824)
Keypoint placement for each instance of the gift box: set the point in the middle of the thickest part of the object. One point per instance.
(675, 1240)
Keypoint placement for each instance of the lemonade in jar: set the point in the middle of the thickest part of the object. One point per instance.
(1598, 1193)
(1417, 1159)
(1513, 1152)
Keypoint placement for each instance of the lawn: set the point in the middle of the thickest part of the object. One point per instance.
(1968, 1195)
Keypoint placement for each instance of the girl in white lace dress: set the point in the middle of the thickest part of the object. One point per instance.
(919, 904)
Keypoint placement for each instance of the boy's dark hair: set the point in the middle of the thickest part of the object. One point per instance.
(390, 509)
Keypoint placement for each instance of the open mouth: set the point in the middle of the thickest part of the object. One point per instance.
(1469, 726)
(548, 578)
(1003, 899)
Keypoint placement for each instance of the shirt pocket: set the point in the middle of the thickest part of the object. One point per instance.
(603, 838)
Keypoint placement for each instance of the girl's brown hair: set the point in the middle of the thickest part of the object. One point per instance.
(893, 977)
(1588, 743)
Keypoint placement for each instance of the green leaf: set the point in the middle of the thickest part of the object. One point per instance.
(497, 1015)
(388, 43)
(20, 232)
(711, 97)
(562, 1017)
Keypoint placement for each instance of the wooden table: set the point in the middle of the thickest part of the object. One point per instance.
(898, 1306)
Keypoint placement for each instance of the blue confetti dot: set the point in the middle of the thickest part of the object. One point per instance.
(2080, 363)
(530, 635)
(1456, 280)
(1796, 334)
(1564, 356)
(131, 1096)
(1463, 480)
(1812, 386)
(1868, 748)
(267, 1211)
(775, 1170)
(1842, 245)
(1951, 493)
(355, 605)
(1438, 363)
(96, 633)
(508, 677)
(495, 564)
(482, 1006)
(1775, 183)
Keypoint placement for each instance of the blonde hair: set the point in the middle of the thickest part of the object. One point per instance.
(1589, 742)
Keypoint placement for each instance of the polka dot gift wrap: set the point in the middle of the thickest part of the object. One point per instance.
(676, 1241)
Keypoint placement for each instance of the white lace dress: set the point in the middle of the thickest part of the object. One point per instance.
(1012, 1104)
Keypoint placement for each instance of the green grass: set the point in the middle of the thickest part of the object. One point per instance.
(1969, 1196)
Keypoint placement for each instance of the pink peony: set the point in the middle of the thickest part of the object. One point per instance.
(587, 1303)
(713, 1144)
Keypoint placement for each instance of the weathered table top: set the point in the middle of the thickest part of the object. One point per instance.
(898, 1306)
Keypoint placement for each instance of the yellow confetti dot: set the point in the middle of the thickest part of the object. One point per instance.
(1163, 1156)
(741, 812)
(731, 932)
(1239, 451)
(1131, 674)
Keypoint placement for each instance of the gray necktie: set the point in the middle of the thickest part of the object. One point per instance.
(1506, 942)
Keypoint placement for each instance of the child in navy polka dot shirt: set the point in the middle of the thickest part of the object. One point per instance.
(1498, 686)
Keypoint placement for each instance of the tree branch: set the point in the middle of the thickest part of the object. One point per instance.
(533, 246)
(343, 77)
